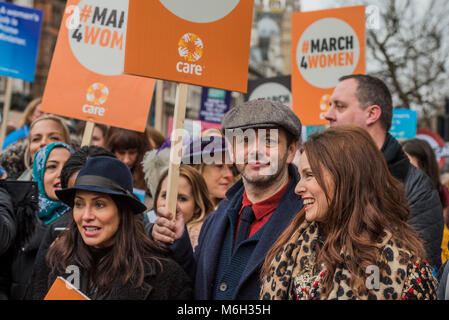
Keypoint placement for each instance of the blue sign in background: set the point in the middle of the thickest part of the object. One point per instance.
(214, 104)
(404, 124)
(20, 29)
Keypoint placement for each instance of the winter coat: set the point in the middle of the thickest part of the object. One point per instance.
(168, 283)
(443, 286)
(295, 273)
(202, 265)
(7, 237)
(17, 262)
(7, 223)
(49, 236)
(426, 211)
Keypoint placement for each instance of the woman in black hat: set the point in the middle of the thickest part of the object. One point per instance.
(106, 243)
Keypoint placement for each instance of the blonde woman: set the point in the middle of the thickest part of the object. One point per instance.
(44, 130)
(193, 201)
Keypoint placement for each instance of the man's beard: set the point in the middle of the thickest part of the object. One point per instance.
(266, 179)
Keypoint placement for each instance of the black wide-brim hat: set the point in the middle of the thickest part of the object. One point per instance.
(104, 175)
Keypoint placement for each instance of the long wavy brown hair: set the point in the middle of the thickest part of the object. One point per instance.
(366, 200)
(132, 255)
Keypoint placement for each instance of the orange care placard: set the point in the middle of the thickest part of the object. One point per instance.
(86, 79)
(326, 45)
(62, 289)
(201, 42)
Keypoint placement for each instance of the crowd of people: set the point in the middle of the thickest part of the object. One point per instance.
(351, 213)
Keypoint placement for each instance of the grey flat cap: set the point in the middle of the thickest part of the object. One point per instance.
(260, 113)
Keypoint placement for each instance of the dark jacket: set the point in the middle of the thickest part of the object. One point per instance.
(49, 236)
(443, 285)
(426, 211)
(7, 222)
(167, 283)
(202, 265)
(17, 262)
(7, 237)
(21, 263)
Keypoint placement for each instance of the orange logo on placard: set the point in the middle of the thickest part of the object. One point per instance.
(97, 95)
(324, 105)
(190, 48)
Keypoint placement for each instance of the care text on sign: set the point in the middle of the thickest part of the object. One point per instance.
(190, 48)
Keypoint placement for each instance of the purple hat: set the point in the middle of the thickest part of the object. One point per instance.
(201, 147)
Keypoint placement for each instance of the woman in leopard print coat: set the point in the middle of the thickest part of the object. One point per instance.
(351, 240)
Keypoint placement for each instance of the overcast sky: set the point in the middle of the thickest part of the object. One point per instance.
(311, 5)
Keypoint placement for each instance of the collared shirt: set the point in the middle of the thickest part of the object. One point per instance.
(262, 210)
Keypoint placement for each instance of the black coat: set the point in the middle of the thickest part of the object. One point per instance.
(7, 236)
(426, 211)
(7, 223)
(17, 261)
(168, 283)
(202, 265)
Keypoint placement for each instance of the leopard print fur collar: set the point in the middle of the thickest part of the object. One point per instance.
(294, 273)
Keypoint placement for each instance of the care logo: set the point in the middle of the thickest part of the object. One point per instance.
(327, 50)
(97, 95)
(190, 49)
(324, 105)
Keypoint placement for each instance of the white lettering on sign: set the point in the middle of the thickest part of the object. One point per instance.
(189, 68)
(94, 110)
(328, 49)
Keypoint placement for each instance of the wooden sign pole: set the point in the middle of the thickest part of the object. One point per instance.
(158, 112)
(87, 135)
(6, 107)
(176, 147)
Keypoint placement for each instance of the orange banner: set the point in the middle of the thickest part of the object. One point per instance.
(64, 290)
(201, 42)
(326, 45)
(86, 79)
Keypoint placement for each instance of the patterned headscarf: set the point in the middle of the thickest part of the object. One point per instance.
(49, 209)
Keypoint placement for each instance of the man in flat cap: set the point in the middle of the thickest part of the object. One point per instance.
(235, 238)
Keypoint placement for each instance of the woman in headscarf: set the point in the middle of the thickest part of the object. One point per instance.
(47, 165)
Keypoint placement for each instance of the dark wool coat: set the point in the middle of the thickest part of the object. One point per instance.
(426, 211)
(203, 265)
(167, 283)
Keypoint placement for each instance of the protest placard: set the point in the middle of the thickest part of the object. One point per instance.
(20, 29)
(276, 89)
(326, 45)
(214, 104)
(61, 289)
(86, 79)
(201, 42)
